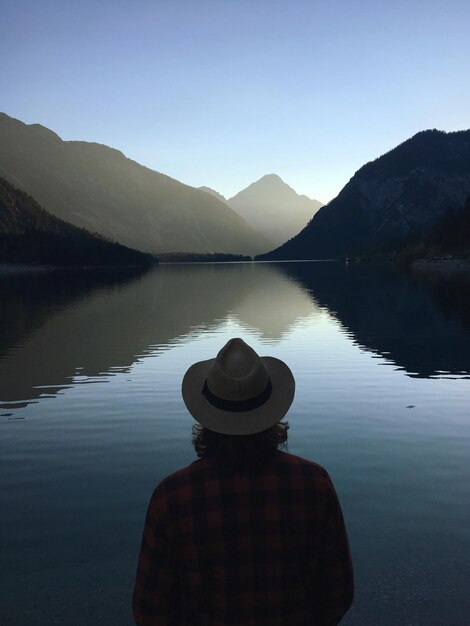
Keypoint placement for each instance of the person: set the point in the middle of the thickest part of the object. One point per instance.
(247, 534)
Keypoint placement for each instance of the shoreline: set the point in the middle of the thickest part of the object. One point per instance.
(442, 266)
(17, 268)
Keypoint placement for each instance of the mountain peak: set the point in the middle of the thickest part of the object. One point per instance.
(270, 184)
(213, 192)
(270, 181)
(271, 177)
(16, 125)
(430, 148)
(277, 210)
(46, 132)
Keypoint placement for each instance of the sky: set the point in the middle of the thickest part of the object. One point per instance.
(221, 92)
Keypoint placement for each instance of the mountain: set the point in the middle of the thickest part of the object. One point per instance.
(273, 208)
(214, 193)
(401, 193)
(451, 233)
(448, 238)
(28, 234)
(98, 188)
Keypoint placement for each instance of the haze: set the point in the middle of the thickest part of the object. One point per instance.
(220, 93)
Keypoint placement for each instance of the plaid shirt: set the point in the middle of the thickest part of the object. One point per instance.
(244, 548)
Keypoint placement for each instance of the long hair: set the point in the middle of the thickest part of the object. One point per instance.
(231, 451)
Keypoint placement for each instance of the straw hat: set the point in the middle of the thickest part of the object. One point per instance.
(238, 392)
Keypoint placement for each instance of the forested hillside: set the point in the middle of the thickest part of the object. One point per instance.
(29, 234)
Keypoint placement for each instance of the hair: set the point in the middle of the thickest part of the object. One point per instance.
(232, 451)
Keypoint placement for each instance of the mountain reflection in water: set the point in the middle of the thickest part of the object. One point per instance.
(419, 322)
(58, 327)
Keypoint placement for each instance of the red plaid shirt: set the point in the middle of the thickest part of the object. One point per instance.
(245, 548)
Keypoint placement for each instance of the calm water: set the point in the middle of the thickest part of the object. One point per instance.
(91, 418)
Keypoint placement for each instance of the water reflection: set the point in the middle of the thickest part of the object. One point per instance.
(419, 322)
(29, 300)
(59, 330)
(85, 463)
(63, 331)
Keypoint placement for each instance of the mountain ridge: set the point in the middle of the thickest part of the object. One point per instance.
(98, 188)
(404, 191)
(214, 193)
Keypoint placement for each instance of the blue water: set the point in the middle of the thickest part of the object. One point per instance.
(91, 418)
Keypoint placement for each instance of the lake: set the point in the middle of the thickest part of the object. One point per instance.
(91, 419)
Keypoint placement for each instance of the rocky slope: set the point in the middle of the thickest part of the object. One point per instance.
(399, 194)
(98, 188)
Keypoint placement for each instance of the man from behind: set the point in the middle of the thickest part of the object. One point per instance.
(247, 535)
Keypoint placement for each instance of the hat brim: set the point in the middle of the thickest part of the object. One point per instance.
(239, 423)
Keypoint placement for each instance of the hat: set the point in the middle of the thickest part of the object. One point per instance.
(238, 392)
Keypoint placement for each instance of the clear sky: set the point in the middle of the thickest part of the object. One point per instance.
(221, 92)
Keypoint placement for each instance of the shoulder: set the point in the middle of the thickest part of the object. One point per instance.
(305, 465)
(305, 470)
(185, 473)
(310, 477)
(178, 480)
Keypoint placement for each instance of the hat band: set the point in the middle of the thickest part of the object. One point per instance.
(237, 406)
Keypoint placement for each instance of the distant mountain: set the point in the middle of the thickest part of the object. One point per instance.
(214, 193)
(273, 208)
(28, 234)
(403, 192)
(98, 188)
